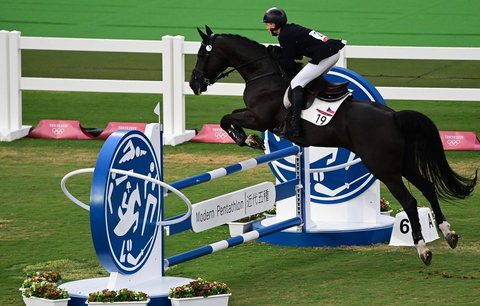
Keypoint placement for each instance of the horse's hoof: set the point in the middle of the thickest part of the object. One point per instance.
(256, 142)
(452, 239)
(280, 131)
(426, 257)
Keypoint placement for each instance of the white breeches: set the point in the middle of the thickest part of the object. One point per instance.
(311, 71)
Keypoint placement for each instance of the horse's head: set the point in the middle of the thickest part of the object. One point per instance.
(210, 63)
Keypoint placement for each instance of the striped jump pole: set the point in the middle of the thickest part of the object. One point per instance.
(228, 243)
(283, 190)
(234, 168)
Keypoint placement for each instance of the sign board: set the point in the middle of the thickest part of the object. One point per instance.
(459, 140)
(402, 230)
(124, 210)
(233, 206)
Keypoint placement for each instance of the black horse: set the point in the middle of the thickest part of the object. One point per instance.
(391, 144)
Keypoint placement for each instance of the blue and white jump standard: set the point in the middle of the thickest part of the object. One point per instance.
(126, 215)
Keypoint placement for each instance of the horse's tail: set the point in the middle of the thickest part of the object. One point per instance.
(422, 141)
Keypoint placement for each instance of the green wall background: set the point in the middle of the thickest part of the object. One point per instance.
(360, 22)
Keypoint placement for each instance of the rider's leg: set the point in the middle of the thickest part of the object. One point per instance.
(298, 100)
(298, 83)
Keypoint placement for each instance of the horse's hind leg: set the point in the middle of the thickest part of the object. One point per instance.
(409, 204)
(428, 190)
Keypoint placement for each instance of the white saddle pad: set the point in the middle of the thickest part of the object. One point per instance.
(321, 112)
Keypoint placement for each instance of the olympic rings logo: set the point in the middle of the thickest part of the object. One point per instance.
(58, 131)
(220, 135)
(453, 142)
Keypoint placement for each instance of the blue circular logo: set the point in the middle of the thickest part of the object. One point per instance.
(124, 210)
(334, 186)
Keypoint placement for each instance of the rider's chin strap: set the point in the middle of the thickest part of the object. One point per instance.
(272, 31)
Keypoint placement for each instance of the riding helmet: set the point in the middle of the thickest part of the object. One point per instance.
(275, 15)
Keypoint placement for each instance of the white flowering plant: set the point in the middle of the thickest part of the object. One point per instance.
(122, 295)
(199, 288)
(44, 285)
(384, 205)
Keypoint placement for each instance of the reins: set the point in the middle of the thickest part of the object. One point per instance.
(226, 73)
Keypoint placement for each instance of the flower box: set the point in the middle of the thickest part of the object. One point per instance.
(133, 303)
(238, 228)
(41, 289)
(35, 301)
(386, 213)
(212, 300)
(200, 292)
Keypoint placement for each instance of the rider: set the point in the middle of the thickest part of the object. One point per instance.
(296, 42)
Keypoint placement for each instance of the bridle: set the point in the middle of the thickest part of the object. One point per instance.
(200, 75)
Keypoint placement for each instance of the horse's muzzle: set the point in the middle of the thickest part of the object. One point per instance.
(197, 87)
(198, 82)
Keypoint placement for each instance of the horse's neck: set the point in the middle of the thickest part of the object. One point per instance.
(250, 62)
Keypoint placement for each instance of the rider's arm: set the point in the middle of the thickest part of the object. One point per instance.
(289, 52)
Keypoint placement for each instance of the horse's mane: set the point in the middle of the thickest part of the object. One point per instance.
(243, 38)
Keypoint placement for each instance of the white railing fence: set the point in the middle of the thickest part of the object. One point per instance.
(173, 85)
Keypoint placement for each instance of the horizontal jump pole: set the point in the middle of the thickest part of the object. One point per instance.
(234, 168)
(228, 243)
(337, 167)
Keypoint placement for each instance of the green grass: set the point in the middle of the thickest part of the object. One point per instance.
(40, 229)
(44, 230)
(405, 23)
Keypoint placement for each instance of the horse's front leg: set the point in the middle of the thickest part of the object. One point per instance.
(234, 123)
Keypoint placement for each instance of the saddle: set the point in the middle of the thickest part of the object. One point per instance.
(324, 90)
(333, 94)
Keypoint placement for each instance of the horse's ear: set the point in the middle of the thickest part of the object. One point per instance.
(209, 31)
(202, 35)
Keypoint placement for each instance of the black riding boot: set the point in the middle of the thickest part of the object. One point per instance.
(297, 100)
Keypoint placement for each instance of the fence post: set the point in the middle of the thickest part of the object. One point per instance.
(179, 133)
(15, 67)
(167, 78)
(12, 127)
(173, 96)
(4, 87)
